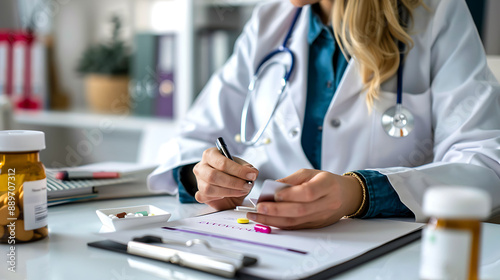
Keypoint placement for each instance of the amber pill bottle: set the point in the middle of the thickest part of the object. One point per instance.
(451, 240)
(23, 187)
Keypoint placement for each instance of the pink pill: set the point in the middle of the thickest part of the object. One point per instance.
(262, 228)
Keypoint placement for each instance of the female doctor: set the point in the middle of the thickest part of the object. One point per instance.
(336, 135)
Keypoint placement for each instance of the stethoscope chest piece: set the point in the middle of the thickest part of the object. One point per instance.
(397, 121)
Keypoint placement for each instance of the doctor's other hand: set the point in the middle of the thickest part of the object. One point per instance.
(316, 199)
(222, 183)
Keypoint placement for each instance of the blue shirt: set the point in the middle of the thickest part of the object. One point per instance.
(323, 80)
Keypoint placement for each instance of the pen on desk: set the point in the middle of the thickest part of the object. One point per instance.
(221, 145)
(82, 175)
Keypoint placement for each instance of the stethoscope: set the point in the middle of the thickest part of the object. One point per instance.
(397, 121)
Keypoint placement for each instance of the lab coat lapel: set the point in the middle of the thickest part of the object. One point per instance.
(350, 86)
(297, 92)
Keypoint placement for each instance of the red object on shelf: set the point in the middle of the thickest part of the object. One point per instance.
(27, 101)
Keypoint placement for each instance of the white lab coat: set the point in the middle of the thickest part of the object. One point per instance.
(447, 86)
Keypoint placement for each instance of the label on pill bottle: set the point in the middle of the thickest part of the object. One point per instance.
(445, 254)
(35, 204)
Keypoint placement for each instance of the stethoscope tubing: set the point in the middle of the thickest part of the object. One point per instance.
(399, 99)
(283, 48)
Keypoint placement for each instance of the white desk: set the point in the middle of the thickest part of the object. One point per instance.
(65, 254)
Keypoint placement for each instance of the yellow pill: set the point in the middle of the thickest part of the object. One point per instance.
(242, 221)
(44, 231)
(3, 198)
(21, 234)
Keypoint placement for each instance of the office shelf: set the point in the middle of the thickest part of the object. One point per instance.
(89, 120)
(66, 131)
(185, 19)
(229, 2)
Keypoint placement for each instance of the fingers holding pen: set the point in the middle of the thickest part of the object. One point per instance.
(217, 193)
(210, 178)
(218, 177)
(237, 168)
(215, 166)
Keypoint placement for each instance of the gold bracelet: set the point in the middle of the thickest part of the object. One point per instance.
(363, 187)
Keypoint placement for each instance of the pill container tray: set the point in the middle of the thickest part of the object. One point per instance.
(131, 222)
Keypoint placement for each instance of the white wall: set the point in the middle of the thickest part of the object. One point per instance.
(8, 16)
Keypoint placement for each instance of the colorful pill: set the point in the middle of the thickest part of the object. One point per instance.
(242, 221)
(144, 213)
(262, 228)
(121, 215)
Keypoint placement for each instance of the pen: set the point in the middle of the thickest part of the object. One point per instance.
(221, 145)
(81, 175)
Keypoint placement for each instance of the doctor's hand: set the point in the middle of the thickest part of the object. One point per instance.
(316, 199)
(222, 183)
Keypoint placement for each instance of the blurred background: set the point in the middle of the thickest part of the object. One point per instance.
(108, 79)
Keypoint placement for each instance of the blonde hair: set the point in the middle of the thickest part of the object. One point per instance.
(370, 30)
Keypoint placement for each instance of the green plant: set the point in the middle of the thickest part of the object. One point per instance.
(112, 58)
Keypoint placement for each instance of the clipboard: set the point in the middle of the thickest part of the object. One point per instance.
(326, 274)
(342, 234)
(203, 263)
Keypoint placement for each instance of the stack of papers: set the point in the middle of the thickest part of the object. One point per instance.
(63, 191)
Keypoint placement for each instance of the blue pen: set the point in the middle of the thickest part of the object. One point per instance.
(221, 145)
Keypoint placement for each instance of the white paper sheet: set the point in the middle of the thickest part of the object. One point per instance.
(279, 253)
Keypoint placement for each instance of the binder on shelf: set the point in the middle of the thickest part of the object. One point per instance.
(204, 70)
(214, 47)
(221, 48)
(23, 69)
(144, 74)
(165, 93)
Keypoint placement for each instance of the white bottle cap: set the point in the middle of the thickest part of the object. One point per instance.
(457, 202)
(21, 140)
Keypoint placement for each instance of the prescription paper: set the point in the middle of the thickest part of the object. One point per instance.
(310, 251)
